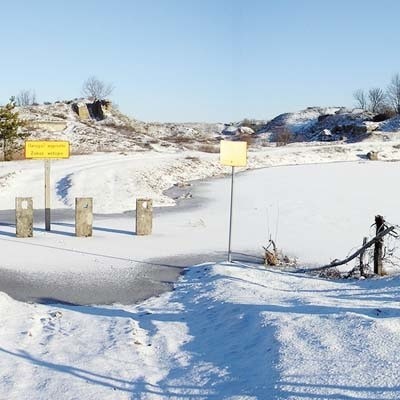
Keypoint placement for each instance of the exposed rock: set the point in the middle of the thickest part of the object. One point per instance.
(82, 110)
(326, 136)
(359, 129)
(233, 130)
(383, 116)
(310, 123)
(245, 130)
(390, 125)
(372, 155)
(95, 110)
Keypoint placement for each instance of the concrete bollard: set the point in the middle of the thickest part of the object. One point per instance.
(144, 216)
(24, 217)
(83, 216)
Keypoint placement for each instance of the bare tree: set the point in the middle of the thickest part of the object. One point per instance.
(96, 89)
(393, 93)
(377, 100)
(283, 137)
(361, 99)
(25, 98)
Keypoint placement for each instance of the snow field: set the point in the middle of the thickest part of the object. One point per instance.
(227, 331)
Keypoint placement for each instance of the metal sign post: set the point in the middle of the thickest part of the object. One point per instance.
(230, 218)
(47, 195)
(46, 150)
(233, 154)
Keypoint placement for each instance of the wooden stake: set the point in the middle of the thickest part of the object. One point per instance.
(378, 250)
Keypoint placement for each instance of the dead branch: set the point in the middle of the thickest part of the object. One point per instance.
(335, 263)
(271, 257)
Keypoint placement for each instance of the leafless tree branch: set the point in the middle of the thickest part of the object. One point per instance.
(393, 93)
(361, 99)
(25, 98)
(377, 100)
(96, 89)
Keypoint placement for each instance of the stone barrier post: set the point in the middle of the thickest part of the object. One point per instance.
(24, 217)
(83, 216)
(144, 216)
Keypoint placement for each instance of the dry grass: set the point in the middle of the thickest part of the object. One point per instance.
(153, 141)
(192, 158)
(18, 154)
(249, 139)
(283, 138)
(178, 139)
(208, 148)
(125, 128)
(15, 155)
(146, 145)
(80, 152)
(59, 115)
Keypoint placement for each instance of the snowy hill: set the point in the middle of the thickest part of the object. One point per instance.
(342, 124)
(300, 122)
(116, 132)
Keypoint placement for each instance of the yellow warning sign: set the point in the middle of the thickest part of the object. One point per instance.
(46, 149)
(233, 153)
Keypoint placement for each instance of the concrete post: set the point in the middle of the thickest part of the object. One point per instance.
(144, 216)
(24, 217)
(83, 216)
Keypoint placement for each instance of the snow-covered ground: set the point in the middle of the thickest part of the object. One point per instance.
(226, 331)
(115, 180)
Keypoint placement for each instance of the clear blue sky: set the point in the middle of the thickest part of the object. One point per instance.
(200, 60)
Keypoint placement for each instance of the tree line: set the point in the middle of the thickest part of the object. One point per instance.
(378, 100)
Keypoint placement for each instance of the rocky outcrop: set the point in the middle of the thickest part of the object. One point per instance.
(299, 123)
(345, 123)
(96, 110)
(233, 130)
(372, 155)
(314, 122)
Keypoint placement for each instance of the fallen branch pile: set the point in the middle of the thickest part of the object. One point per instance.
(382, 230)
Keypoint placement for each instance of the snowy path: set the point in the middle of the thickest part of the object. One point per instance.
(290, 336)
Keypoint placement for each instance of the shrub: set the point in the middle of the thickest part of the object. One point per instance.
(383, 116)
(59, 115)
(283, 137)
(249, 139)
